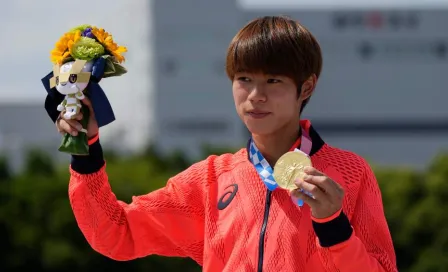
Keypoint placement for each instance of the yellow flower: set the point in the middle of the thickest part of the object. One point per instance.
(64, 46)
(108, 42)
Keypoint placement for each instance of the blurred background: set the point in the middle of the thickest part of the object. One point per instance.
(382, 94)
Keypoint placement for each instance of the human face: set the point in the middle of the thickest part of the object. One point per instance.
(266, 104)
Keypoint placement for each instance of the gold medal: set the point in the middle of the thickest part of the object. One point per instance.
(289, 167)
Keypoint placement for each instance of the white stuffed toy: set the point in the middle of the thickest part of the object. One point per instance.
(81, 58)
(71, 80)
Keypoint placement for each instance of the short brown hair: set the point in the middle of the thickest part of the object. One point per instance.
(275, 45)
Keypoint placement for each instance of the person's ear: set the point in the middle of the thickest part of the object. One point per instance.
(308, 87)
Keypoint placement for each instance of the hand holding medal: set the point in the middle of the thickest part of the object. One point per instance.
(289, 168)
(294, 172)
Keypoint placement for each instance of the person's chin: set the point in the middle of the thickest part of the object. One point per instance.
(259, 128)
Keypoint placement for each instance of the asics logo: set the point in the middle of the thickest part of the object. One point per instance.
(228, 196)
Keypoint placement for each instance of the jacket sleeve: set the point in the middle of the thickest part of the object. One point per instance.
(362, 244)
(167, 222)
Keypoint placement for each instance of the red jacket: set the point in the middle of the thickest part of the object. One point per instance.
(219, 213)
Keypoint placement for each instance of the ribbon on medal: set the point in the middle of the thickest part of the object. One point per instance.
(265, 170)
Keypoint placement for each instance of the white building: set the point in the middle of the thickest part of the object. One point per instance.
(25, 60)
(382, 92)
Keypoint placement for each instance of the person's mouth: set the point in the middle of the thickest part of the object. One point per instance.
(258, 114)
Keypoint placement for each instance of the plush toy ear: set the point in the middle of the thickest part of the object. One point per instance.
(53, 99)
(56, 69)
(46, 82)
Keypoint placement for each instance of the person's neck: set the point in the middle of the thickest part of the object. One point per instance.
(273, 146)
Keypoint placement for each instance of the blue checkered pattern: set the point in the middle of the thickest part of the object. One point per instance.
(265, 170)
(262, 166)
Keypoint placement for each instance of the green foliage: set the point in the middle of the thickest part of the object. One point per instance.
(5, 173)
(415, 204)
(40, 232)
(38, 163)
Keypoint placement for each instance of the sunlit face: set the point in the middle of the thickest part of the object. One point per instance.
(72, 84)
(266, 103)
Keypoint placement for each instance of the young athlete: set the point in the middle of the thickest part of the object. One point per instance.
(225, 212)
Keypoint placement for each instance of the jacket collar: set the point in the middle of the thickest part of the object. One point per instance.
(305, 124)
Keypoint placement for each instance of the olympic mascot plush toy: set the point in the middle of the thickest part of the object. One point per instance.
(81, 58)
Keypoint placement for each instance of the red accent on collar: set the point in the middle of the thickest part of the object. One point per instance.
(305, 124)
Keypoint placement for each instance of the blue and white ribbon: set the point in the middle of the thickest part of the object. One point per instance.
(265, 170)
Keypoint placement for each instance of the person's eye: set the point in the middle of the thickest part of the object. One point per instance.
(274, 80)
(244, 79)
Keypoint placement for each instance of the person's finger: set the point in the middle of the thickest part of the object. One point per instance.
(64, 126)
(338, 186)
(74, 124)
(78, 116)
(75, 117)
(313, 189)
(60, 130)
(299, 194)
(312, 171)
(323, 182)
(86, 101)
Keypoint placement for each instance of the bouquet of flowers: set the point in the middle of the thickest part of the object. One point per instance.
(81, 58)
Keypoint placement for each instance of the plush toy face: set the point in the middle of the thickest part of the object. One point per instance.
(73, 77)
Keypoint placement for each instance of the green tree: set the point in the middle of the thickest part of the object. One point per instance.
(415, 205)
(41, 234)
(5, 173)
(39, 163)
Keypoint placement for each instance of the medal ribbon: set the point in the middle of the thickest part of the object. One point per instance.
(265, 170)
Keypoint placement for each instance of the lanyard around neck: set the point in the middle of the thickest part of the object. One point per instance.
(262, 166)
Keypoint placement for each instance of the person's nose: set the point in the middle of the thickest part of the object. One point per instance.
(257, 94)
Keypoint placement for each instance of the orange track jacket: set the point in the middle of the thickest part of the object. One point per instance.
(219, 213)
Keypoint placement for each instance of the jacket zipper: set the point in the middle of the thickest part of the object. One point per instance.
(263, 230)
